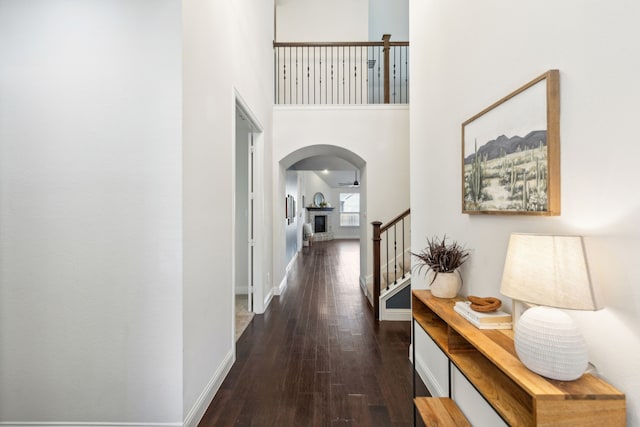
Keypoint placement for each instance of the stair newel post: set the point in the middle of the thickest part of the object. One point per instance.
(376, 268)
(387, 51)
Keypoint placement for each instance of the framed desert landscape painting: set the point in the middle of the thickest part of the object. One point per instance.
(511, 152)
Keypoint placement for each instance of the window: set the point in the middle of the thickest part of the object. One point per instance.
(349, 209)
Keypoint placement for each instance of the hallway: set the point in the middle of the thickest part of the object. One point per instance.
(315, 357)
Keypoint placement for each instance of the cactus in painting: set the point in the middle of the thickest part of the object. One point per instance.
(475, 177)
(525, 190)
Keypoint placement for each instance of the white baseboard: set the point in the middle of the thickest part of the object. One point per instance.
(281, 287)
(368, 278)
(336, 237)
(242, 290)
(290, 265)
(204, 400)
(395, 314)
(83, 424)
(279, 290)
(363, 285)
(267, 299)
(365, 290)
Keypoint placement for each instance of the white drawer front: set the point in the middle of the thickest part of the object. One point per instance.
(471, 403)
(432, 365)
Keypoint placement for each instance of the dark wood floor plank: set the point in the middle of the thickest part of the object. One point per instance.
(359, 410)
(316, 357)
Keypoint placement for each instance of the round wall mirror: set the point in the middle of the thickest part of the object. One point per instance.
(318, 199)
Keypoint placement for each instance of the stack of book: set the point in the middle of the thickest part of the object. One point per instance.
(492, 320)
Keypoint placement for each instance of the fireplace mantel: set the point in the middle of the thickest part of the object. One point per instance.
(311, 208)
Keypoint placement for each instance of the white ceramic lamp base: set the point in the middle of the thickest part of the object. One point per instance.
(549, 343)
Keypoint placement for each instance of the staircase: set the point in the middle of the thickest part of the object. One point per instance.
(389, 289)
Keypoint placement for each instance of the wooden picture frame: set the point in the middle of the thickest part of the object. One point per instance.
(511, 153)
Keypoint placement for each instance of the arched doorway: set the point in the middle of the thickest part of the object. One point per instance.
(344, 174)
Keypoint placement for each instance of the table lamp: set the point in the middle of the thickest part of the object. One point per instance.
(549, 271)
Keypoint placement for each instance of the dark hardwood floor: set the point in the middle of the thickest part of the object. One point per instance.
(316, 356)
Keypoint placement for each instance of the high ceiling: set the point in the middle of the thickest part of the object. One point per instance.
(333, 170)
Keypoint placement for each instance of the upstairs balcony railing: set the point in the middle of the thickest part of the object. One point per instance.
(342, 73)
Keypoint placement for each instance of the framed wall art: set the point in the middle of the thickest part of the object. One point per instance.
(511, 152)
(289, 208)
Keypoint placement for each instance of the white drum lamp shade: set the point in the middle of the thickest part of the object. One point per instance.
(550, 271)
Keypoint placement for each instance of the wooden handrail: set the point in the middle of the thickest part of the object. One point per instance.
(394, 220)
(336, 44)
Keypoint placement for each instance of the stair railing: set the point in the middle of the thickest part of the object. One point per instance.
(392, 236)
(367, 72)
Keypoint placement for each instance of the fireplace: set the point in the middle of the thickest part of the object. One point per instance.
(320, 224)
(320, 221)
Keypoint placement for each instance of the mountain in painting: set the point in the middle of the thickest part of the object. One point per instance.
(504, 145)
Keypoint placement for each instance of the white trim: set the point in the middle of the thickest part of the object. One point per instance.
(267, 299)
(368, 278)
(333, 107)
(365, 289)
(279, 290)
(395, 314)
(260, 274)
(244, 106)
(241, 290)
(84, 424)
(290, 265)
(394, 289)
(282, 287)
(204, 400)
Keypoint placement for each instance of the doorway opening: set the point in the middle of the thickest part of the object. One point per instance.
(247, 254)
(330, 184)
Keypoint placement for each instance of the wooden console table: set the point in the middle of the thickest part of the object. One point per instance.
(487, 359)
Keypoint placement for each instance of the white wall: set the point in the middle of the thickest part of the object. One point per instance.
(209, 144)
(117, 203)
(252, 53)
(325, 21)
(313, 185)
(378, 134)
(468, 55)
(90, 211)
(389, 17)
(227, 51)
